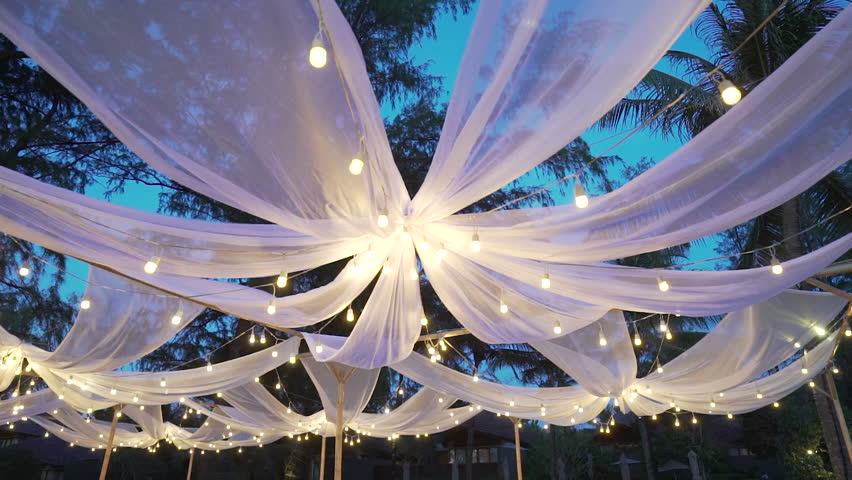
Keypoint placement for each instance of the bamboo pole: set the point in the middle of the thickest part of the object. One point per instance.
(108, 453)
(516, 422)
(828, 288)
(191, 457)
(322, 460)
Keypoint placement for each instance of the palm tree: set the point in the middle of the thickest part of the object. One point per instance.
(724, 26)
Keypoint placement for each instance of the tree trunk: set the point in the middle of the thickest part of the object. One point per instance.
(830, 417)
(650, 469)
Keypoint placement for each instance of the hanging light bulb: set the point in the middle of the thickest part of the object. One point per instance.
(262, 336)
(431, 350)
(731, 95)
(663, 325)
(759, 395)
(677, 422)
(152, 264)
(319, 347)
(85, 303)
(163, 382)
(557, 328)
(475, 377)
(580, 197)
(281, 281)
(475, 244)
(270, 307)
(848, 332)
(209, 366)
(834, 369)
(543, 410)
(669, 335)
(503, 307)
(654, 416)
(113, 391)
(24, 270)
(637, 340)
(423, 320)
(356, 166)
(545, 281)
(602, 340)
(382, 219)
(660, 369)
(252, 339)
(776, 404)
(317, 55)
(804, 370)
(662, 285)
(443, 345)
(694, 420)
(775, 266)
(350, 315)
(177, 317)
(292, 358)
(412, 274)
(819, 330)
(712, 404)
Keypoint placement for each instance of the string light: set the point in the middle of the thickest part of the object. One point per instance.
(731, 95)
(545, 281)
(151, 265)
(669, 335)
(292, 358)
(270, 307)
(412, 274)
(252, 339)
(660, 369)
(281, 281)
(382, 219)
(262, 337)
(730, 415)
(712, 404)
(819, 330)
(475, 377)
(24, 270)
(423, 320)
(503, 307)
(663, 285)
(694, 420)
(557, 328)
(804, 370)
(580, 197)
(318, 55)
(350, 314)
(601, 339)
(319, 347)
(835, 370)
(848, 332)
(663, 325)
(637, 340)
(177, 317)
(85, 303)
(775, 266)
(475, 244)
(677, 422)
(759, 394)
(776, 404)
(162, 382)
(356, 166)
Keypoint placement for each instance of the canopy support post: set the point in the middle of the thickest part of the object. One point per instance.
(189, 469)
(338, 437)
(108, 453)
(322, 459)
(516, 422)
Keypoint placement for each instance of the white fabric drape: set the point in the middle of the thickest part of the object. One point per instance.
(534, 76)
(427, 411)
(222, 100)
(742, 165)
(358, 388)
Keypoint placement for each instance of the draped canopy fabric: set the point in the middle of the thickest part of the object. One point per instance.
(259, 129)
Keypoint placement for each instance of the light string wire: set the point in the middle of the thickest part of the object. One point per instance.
(647, 122)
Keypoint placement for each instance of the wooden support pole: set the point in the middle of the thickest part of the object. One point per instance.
(516, 422)
(108, 453)
(189, 469)
(840, 421)
(338, 436)
(828, 288)
(322, 460)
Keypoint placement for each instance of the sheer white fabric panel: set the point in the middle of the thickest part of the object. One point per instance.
(33, 404)
(744, 164)
(603, 370)
(120, 327)
(122, 237)
(519, 99)
(96, 388)
(257, 405)
(221, 99)
(563, 405)
(358, 387)
(747, 343)
(389, 323)
(422, 413)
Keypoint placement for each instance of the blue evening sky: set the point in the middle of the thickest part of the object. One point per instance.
(444, 55)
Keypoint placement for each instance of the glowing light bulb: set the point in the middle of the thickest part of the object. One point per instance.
(387, 409)
(262, 337)
(443, 345)
(209, 367)
(356, 166)
(694, 420)
(152, 264)
(350, 315)
(177, 317)
(835, 370)
(503, 307)
(475, 377)
(292, 359)
(811, 384)
(545, 281)
(270, 307)
(423, 320)
(431, 350)
(317, 55)
(660, 369)
(382, 219)
(848, 332)
(252, 338)
(319, 347)
(85, 303)
(776, 404)
(668, 335)
(602, 340)
(804, 371)
(654, 416)
(25, 269)
(730, 415)
(162, 382)
(663, 285)
(819, 330)
(775, 266)
(475, 244)
(759, 395)
(731, 95)
(663, 326)
(712, 404)
(281, 281)
(412, 274)
(557, 328)
(677, 422)
(580, 197)
(511, 403)
(637, 340)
